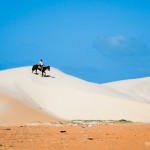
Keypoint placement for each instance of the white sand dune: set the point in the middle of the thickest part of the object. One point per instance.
(70, 98)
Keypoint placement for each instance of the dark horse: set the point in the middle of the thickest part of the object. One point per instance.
(38, 67)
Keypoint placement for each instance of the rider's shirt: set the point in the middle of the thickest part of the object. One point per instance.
(41, 63)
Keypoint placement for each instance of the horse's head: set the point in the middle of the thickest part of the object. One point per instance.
(48, 67)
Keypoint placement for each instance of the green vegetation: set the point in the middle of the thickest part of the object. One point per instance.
(123, 121)
(98, 121)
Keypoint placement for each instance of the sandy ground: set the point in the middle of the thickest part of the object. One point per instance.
(82, 137)
(32, 108)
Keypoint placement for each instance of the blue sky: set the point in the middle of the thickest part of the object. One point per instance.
(96, 40)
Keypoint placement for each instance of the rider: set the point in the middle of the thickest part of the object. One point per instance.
(41, 64)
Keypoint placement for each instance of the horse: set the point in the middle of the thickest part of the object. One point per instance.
(38, 67)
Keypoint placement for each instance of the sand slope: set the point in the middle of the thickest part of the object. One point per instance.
(15, 112)
(70, 98)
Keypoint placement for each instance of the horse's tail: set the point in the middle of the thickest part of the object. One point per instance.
(33, 68)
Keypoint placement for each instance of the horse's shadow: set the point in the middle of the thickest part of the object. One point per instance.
(45, 75)
(48, 76)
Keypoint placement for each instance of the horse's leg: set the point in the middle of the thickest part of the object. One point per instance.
(32, 69)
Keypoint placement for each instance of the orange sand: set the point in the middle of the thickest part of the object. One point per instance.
(82, 137)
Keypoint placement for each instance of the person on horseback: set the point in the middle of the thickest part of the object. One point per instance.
(41, 64)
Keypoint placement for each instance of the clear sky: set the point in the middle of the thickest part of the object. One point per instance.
(96, 40)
